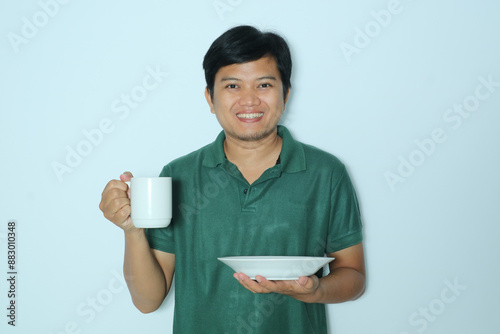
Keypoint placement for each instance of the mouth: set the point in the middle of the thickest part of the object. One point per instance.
(254, 115)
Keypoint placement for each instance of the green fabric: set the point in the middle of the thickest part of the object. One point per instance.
(303, 206)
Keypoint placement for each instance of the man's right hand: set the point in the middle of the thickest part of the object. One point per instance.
(149, 272)
(115, 203)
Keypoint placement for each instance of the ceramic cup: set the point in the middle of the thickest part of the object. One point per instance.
(151, 201)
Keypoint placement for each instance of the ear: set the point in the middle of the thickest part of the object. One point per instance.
(286, 98)
(209, 100)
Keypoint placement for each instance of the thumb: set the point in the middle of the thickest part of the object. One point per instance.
(308, 282)
(126, 176)
(303, 280)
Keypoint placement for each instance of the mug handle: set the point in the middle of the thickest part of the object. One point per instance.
(129, 184)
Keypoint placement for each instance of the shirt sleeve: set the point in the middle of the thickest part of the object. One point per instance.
(345, 227)
(163, 238)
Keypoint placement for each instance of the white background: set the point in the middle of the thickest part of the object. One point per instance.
(372, 81)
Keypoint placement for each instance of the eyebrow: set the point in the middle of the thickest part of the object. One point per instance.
(270, 77)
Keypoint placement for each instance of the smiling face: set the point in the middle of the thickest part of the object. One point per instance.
(248, 99)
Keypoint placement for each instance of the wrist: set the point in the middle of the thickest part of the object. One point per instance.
(134, 234)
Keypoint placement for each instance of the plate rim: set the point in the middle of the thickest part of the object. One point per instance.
(273, 258)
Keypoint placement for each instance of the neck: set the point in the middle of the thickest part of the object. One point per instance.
(253, 157)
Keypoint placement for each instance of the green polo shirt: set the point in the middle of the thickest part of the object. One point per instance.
(303, 206)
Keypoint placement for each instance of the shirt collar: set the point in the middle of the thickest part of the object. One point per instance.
(292, 154)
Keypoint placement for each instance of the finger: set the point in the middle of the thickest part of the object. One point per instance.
(114, 184)
(243, 280)
(280, 286)
(113, 199)
(303, 285)
(126, 176)
(110, 191)
(121, 216)
(305, 282)
(117, 210)
(250, 284)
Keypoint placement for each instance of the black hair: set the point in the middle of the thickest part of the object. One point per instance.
(244, 44)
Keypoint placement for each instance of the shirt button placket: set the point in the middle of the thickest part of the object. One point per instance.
(247, 200)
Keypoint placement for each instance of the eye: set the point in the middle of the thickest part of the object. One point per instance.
(265, 85)
(232, 86)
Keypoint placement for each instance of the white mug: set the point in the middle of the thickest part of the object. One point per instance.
(151, 201)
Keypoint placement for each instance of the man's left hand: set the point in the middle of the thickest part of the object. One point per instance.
(303, 289)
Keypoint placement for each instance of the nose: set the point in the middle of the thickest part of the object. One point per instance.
(248, 98)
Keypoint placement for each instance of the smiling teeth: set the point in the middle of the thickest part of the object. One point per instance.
(250, 116)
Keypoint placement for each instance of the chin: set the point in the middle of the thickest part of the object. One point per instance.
(254, 136)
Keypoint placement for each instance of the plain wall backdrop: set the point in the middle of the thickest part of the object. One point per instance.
(406, 93)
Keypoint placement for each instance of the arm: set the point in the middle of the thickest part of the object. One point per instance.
(345, 282)
(148, 272)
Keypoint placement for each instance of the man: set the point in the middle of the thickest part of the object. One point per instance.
(254, 191)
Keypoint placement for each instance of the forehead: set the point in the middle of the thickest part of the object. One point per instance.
(263, 67)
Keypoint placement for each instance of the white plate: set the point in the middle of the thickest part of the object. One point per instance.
(276, 267)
